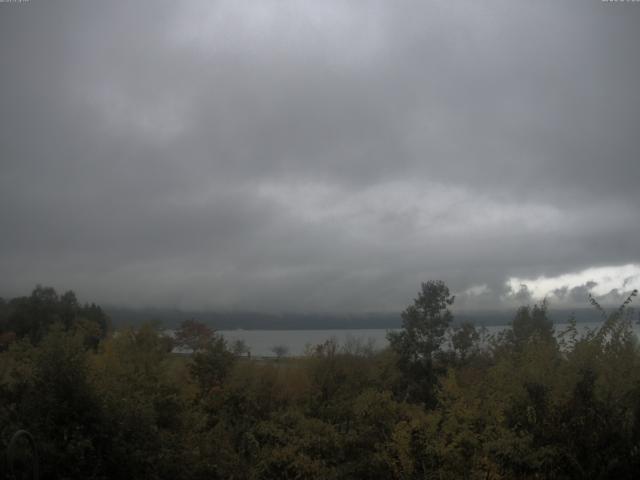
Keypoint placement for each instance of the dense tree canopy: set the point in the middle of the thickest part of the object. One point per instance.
(443, 401)
(31, 317)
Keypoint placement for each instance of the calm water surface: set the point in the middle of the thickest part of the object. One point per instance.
(261, 342)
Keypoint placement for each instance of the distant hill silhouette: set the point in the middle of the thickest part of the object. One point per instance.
(171, 318)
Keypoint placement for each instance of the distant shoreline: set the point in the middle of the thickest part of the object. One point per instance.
(171, 318)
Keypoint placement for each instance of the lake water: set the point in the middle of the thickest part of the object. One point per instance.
(261, 342)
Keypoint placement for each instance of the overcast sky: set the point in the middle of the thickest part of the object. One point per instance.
(319, 155)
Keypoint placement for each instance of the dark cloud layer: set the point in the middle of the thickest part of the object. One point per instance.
(317, 156)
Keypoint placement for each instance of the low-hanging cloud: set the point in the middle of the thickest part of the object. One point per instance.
(608, 283)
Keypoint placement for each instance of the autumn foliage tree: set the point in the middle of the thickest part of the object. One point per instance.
(193, 335)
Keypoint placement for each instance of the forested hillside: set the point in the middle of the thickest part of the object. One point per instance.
(441, 402)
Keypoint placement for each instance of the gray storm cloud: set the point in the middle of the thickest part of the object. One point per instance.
(318, 156)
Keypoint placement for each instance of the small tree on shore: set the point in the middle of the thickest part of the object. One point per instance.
(280, 351)
(240, 348)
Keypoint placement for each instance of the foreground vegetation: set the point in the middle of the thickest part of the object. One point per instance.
(441, 402)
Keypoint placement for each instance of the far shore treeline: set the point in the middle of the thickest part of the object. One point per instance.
(171, 318)
(104, 400)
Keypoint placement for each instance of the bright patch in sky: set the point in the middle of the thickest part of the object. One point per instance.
(599, 281)
(477, 290)
(429, 209)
